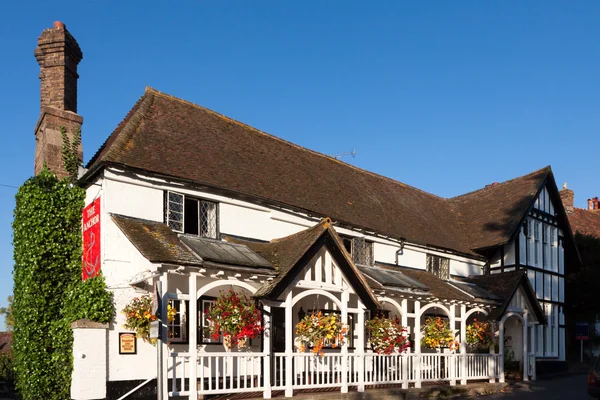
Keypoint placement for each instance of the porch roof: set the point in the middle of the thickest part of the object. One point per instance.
(289, 254)
(505, 285)
(160, 244)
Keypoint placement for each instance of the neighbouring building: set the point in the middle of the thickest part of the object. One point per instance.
(200, 202)
(583, 221)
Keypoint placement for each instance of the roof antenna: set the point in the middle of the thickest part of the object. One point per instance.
(338, 156)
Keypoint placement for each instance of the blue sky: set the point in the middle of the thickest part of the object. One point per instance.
(444, 96)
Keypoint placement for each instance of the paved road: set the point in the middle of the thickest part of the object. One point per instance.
(566, 388)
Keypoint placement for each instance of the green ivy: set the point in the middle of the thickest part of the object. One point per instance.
(89, 299)
(48, 293)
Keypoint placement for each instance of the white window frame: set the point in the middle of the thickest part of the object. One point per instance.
(205, 303)
(178, 225)
(182, 324)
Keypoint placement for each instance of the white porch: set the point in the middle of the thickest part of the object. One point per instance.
(268, 366)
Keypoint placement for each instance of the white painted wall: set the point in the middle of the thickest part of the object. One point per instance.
(89, 364)
(121, 261)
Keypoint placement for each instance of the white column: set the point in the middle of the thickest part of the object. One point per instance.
(417, 359)
(164, 334)
(452, 356)
(491, 365)
(359, 347)
(463, 345)
(501, 348)
(405, 357)
(193, 348)
(289, 343)
(345, 298)
(525, 348)
(266, 338)
(533, 339)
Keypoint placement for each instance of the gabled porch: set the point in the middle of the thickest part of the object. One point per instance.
(311, 271)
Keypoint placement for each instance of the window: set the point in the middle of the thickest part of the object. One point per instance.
(177, 327)
(360, 250)
(192, 216)
(538, 244)
(204, 331)
(546, 241)
(438, 266)
(530, 243)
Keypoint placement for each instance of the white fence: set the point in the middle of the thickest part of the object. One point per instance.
(233, 372)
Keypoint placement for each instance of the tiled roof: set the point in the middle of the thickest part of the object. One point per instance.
(174, 138)
(286, 253)
(6, 339)
(490, 215)
(155, 241)
(504, 285)
(438, 287)
(585, 222)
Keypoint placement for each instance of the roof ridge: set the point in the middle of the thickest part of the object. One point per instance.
(547, 169)
(235, 121)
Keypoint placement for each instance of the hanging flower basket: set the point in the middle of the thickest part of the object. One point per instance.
(387, 335)
(236, 317)
(437, 333)
(480, 334)
(138, 316)
(317, 330)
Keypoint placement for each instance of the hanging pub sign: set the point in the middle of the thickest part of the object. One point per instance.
(91, 240)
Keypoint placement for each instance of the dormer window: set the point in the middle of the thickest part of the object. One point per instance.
(438, 266)
(190, 215)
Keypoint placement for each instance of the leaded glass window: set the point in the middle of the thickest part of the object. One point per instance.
(438, 266)
(192, 216)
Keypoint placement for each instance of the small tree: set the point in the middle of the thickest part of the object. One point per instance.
(8, 314)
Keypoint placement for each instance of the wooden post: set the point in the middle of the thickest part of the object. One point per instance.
(266, 337)
(491, 365)
(533, 350)
(345, 298)
(525, 348)
(405, 358)
(463, 345)
(501, 348)
(193, 348)
(417, 363)
(452, 356)
(164, 334)
(359, 348)
(289, 343)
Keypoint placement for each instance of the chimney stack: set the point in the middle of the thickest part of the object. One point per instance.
(594, 204)
(568, 198)
(58, 55)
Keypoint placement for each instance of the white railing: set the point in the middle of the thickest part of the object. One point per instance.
(386, 369)
(218, 373)
(233, 372)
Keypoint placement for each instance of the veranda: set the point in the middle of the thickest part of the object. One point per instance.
(272, 364)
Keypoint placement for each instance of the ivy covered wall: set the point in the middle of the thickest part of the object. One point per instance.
(48, 292)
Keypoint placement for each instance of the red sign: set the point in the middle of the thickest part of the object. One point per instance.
(91, 240)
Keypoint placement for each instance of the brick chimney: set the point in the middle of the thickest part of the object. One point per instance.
(58, 55)
(594, 204)
(568, 198)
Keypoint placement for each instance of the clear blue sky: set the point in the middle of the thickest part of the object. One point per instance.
(444, 96)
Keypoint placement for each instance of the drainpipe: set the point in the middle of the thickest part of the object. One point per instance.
(400, 251)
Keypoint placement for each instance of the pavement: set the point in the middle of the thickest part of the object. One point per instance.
(567, 387)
